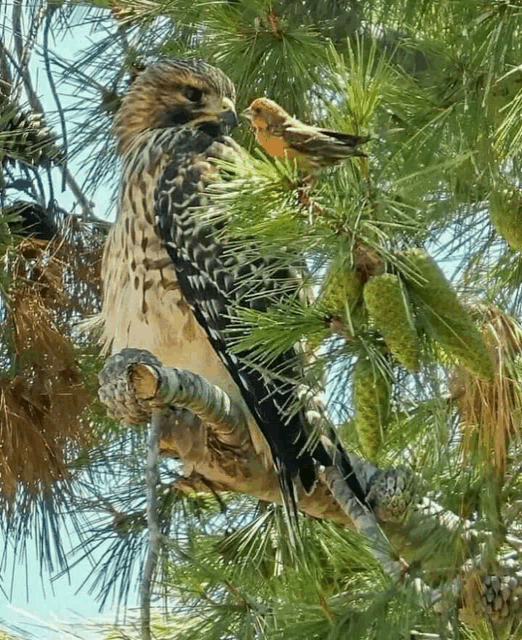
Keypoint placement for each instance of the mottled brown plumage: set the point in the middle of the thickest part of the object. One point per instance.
(143, 306)
(171, 285)
(282, 136)
(162, 96)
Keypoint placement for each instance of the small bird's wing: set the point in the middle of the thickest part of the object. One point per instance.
(323, 145)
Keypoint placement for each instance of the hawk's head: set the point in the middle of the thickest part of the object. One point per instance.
(175, 93)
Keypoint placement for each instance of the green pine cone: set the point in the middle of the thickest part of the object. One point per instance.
(388, 305)
(371, 396)
(506, 215)
(452, 325)
(341, 289)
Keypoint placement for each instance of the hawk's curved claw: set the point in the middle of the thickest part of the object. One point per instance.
(115, 390)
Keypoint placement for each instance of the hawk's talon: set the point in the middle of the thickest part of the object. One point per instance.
(116, 391)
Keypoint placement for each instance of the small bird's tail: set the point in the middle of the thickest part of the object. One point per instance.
(347, 138)
(335, 146)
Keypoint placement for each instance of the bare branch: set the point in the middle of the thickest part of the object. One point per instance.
(24, 45)
(152, 481)
(211, 436)
(86, 205)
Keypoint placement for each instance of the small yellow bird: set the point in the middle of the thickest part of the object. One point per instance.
(282, 136)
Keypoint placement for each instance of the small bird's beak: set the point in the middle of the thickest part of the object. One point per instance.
(228, 115)
(247, 113)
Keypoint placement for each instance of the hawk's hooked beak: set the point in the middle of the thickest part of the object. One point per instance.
(228, 115)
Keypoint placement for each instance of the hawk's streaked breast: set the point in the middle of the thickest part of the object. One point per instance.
(143, 306)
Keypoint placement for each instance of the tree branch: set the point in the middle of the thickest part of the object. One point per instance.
(152, 480)
(217, 445)
(364, 522)
(204, 428)
(49, 15)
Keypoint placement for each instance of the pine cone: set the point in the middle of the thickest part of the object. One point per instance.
(25, 137)
(391, 493)
(502, 595)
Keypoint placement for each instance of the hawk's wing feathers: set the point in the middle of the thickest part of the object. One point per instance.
(213, 281)
(170, 284)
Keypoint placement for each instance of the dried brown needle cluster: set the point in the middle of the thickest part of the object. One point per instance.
(492, 410)
(41, 387)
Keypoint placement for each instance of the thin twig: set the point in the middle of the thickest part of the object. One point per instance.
(23, 45)
(17, 28)
(52, 86)
(86, 205)
(33, 31)
(33, 171)
(33, 99)
(152, 481)
(6, 78)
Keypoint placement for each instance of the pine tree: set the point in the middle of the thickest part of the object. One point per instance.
(414, 252)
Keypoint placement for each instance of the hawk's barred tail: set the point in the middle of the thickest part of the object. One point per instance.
(289, 497)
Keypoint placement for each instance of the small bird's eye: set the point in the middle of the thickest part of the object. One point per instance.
(193, 94)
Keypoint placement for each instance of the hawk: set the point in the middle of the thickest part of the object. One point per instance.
(171, 284)
(282, 136)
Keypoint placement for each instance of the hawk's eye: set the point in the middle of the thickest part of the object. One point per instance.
(193, 94)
